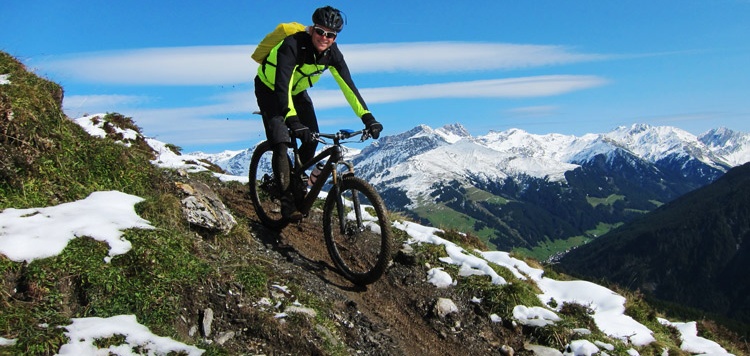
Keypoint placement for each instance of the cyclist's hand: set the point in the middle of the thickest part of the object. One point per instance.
(299, 131)
(372, 125)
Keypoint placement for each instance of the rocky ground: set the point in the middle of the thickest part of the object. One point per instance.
(397, 315)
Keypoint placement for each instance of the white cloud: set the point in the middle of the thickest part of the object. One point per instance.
(101, 103)
(199, 126)
(200, 65)
(537, 86)
(444, 57)
(221, 65)
(210, 124)
(216, 122)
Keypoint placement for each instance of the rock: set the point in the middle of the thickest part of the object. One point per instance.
(539, 350)
(208, 318)
(224, 337)
(293, 309)
(406, 256)
(445, 306)
(202, 207)
(506, 350)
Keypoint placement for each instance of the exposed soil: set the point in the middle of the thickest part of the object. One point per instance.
(393, 316)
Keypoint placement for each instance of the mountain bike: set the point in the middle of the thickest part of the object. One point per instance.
(356, 229)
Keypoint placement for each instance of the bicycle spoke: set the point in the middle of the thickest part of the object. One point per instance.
(357, 232)
(264, 190)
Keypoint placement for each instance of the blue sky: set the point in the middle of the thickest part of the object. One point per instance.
(182, 69)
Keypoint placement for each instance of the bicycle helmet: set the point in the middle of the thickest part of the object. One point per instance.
(328, 17)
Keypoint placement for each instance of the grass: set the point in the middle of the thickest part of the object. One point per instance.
(47, 160)
(606, 201)
(546, 250)
(448, 219)
(253, 279)
(475, 194)
(468, 240)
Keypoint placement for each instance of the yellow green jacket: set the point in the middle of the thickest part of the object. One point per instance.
(294, 65)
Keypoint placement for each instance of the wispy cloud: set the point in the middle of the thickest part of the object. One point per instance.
(200, 65)
(226, 118)
(443, 57)
(211, 124)
(242, 102)
(101, 103)
(202, 132)
(537, 86)
(222, 65)
(201, 126)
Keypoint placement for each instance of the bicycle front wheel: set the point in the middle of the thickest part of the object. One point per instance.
(264, 191)
(357, 231)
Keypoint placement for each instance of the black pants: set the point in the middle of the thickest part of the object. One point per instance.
(273, 117)
(277, 132)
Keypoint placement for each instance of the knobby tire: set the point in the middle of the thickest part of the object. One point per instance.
(361, 252)
(263, 191)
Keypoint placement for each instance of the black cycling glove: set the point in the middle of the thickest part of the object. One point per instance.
(299, 131)
(372, 125)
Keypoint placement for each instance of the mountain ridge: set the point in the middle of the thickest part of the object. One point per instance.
(720, 148)
(633, 168)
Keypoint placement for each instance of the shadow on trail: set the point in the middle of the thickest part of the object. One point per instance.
(275, 241)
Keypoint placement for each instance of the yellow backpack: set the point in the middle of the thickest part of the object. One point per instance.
(274, 37)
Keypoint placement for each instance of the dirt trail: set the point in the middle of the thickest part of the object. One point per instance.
(399, 305)
(393, 316)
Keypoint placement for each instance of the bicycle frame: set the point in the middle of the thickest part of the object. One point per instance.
(359, 241)
(335, 157)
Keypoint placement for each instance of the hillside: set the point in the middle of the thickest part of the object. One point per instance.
(692, 251)
(242, 289)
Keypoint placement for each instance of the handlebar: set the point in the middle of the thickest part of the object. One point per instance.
(342, 134)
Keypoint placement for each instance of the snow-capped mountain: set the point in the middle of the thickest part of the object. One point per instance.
(526, 188)
(732, 146)
(416, 160)
(238, 162)
(552, 186)
(233, 162)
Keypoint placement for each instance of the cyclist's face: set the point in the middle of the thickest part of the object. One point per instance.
(322, 37)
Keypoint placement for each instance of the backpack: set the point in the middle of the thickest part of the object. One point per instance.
(274, 37)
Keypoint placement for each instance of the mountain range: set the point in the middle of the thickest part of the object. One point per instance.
(693, 251)
(518, 190)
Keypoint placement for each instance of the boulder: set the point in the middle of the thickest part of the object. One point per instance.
(202, 207)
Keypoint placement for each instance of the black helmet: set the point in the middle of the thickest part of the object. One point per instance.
(328, 17)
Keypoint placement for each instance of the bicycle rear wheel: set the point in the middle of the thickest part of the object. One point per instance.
(357, 231)
(264, 191)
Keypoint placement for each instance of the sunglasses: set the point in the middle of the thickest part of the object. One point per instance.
(324, 33)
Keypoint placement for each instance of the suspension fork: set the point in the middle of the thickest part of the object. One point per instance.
(356, 204)
(341, 208)
(357, 210)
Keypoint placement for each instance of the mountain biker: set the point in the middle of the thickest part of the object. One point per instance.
(292, 67)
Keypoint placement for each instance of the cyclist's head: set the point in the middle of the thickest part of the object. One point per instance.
(328, 17)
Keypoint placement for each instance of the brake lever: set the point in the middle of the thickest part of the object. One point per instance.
(365, 135)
